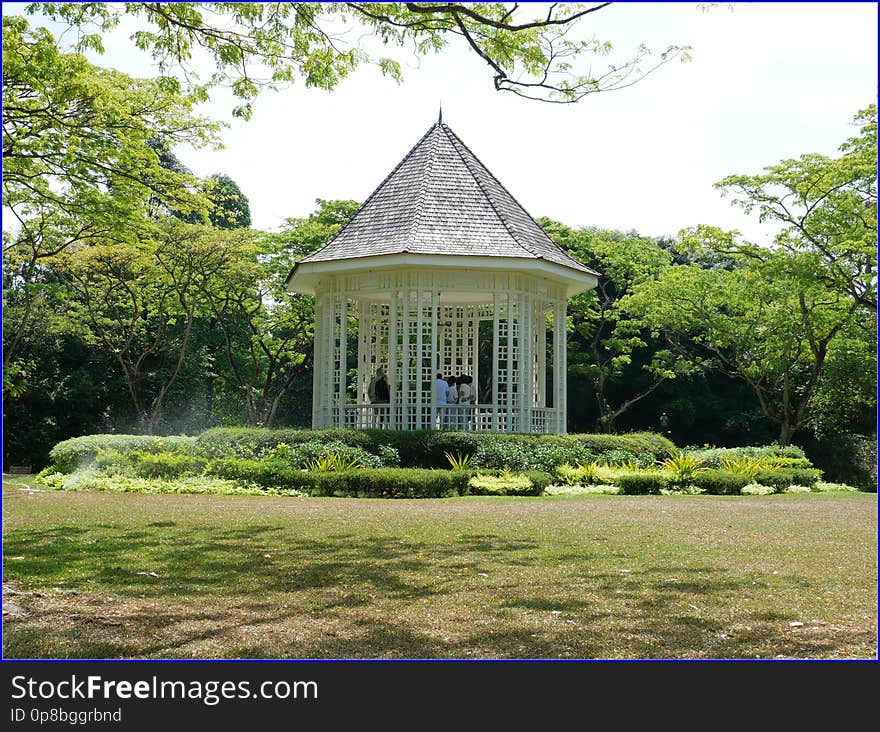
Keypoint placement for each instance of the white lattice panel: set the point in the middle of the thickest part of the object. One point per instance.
(415, 327)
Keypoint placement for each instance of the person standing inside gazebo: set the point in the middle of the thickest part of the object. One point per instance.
(441, 386)
(452, 403)
(379, 393)
(466, 396)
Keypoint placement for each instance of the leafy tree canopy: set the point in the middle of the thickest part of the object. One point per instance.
(538, 54)
(230, 208)
(828, 209)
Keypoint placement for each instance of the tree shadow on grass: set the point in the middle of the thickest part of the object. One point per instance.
(262, 591)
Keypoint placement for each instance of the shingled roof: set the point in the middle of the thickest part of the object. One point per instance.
(440, 199)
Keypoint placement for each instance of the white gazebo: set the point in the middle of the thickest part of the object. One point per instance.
(441, 270)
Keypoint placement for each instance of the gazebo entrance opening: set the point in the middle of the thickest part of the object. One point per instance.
(495, 327)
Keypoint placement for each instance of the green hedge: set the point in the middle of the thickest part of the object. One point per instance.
(712, 456)
(390, 483)
(78, 452)
(267, 473)
(253, 442)
(418, 448)
(141, 464)
(633, 484)
(785, 477)
(720, 482)
(368, 483)
(427, 448)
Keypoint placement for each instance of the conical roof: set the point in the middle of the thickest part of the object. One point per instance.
(440, 199)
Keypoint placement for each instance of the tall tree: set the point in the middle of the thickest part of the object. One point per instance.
(603, 338)
(769, 322)
(268, 333)
(230, 208)
(79, 167)
(827, 208)
(139, 302)
(545, 55)
(773, 318)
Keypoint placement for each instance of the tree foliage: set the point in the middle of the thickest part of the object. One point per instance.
(828, 210)
(603, 338)
(230, 208)
(139, 303)
(774, 317)
(268, 333)
(545, 55)
(80, 164)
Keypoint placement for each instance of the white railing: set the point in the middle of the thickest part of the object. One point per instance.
(459, 417)
(543, 420)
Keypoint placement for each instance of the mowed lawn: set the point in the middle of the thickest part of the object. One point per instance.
(164, 576)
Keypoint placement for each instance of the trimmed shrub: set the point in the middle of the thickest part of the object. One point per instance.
(514, 484)
(506, 483)
(582, 490)
(150, 465)
(367, 483)
(390, 483)
(785, 477)
(254, 442)
(78, 452)
(720, 482)
(266, 473)
(301, 454)
(427, 448)
(660, 445)
(794, 463)
(712, 456)
(823, 487)
(520, 455)
(540, 481)
(633, 484)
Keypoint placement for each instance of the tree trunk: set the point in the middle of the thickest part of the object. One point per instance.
(606, 423)
(786, 432)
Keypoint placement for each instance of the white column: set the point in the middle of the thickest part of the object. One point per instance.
(330, 328)
(420, 357)
(343, 359)
(526, 373)
(319, 369)
(559, 366)
(394, 396)
(324, 337)
(513, 353)
(475, 350)
(495, 337)
(405, 364)
(435, 361)
(540, 355)
(363, 373)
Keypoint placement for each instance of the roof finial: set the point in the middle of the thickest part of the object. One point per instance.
(440, 118)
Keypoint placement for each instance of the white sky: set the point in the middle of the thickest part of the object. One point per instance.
(767, 81)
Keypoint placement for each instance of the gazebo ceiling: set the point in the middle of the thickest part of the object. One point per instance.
(439, 206)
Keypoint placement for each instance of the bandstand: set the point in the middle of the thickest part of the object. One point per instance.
(441, 270)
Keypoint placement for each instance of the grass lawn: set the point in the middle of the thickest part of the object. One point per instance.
(170, 576)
